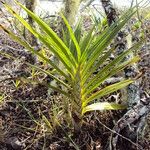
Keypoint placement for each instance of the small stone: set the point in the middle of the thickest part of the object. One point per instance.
(15, 143)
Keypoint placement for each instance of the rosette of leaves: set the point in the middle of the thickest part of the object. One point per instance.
(80, 56)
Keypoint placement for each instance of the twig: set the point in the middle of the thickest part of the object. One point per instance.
(113, 131)
(27, 101)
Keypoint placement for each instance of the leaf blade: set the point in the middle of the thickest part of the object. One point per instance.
(103, 106)
(107, 90)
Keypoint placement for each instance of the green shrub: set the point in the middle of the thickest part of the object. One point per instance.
(80, 59)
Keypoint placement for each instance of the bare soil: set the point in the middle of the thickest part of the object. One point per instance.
(22, 107)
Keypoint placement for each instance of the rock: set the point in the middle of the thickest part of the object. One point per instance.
(15, 143)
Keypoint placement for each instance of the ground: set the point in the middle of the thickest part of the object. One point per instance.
(23, 105)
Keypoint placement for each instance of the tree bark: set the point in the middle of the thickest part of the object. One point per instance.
(110, 12)
(31, 5)
(71, 9)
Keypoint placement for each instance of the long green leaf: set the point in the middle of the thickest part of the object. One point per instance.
(123, 65)
(78, 30)
(107, 90)
(111, 65)
(47, 41)
(103, 106)
(86, 40)
(47, 85)
(104, 43)
(51, 34)
(51, 75)
(70, 42)
(58, 90)
(73, 38)
(111, 73)
(27, 46)
(48, 123)
(101, 60)
(107, 69)
(78, 36)
(103, 35)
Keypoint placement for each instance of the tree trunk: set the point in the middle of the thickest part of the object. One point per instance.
(70, 12)
(31, 5)
(110, 12)
(71, 9)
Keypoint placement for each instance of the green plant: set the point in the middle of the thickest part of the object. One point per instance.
(80, 58)
(55, 117)
(2, 97)
(16, 83)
